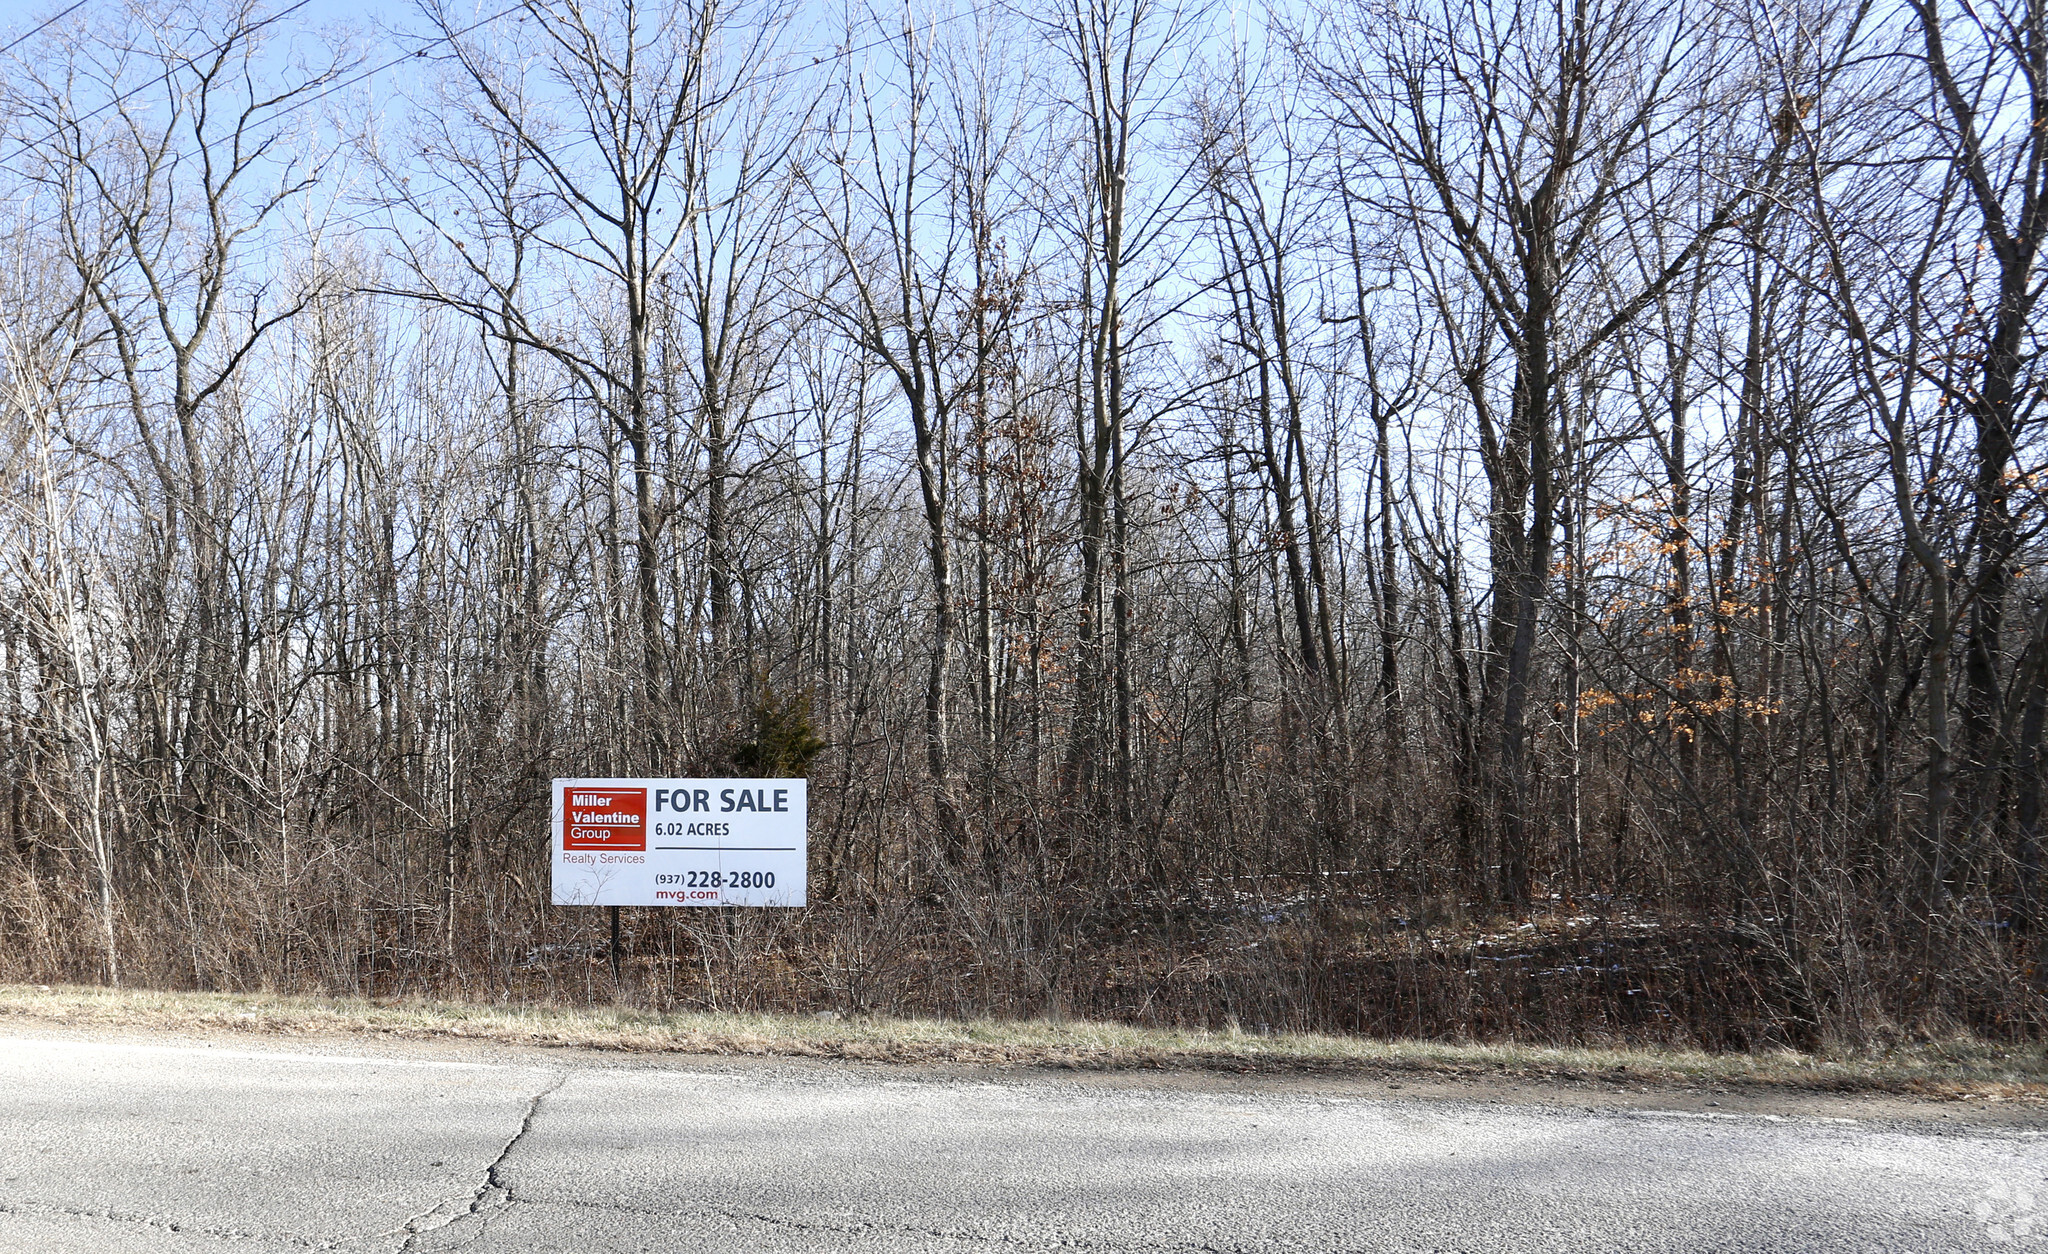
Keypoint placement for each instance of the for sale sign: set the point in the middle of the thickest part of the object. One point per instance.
(679, 842)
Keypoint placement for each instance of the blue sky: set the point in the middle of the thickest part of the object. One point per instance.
(366, 17)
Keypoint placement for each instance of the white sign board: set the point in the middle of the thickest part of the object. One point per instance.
(679, 842)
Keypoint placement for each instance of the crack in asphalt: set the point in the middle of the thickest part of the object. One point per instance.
(495, 1192)
(492, 1191)
(46, 1210)
(1065, 1242)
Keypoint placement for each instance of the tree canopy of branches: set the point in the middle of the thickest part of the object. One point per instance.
(1443, 516)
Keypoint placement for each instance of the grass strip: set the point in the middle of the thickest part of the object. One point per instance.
(1950, 1069)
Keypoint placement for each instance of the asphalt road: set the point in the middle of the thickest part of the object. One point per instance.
(109, 1146)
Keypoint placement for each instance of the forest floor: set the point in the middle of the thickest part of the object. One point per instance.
(1980, 1075)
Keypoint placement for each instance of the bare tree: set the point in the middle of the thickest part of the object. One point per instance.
(610, 111)
(900, 206)
(1519, 140)
(1987, 71)
(166, 162)
(1125, 60)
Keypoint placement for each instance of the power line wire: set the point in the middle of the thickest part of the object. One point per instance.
(400, 59)
(164, 77)
(449, 38)
(43, 26)
(835, 55)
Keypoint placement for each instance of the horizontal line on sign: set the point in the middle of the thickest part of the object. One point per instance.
(737, 848)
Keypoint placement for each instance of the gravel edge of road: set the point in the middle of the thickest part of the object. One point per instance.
(1954, 1076)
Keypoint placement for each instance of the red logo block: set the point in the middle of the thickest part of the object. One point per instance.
(604, 818)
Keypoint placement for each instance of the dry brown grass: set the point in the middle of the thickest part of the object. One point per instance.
(1943, 1069)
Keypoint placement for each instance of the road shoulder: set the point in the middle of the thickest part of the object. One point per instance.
(2025, 1116)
